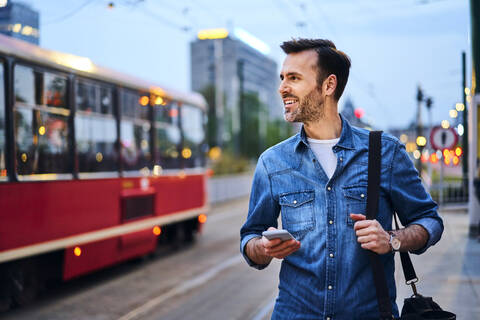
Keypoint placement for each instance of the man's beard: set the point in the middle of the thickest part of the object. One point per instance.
(310, 108)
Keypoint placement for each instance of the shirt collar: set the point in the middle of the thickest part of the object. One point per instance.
(346, 137)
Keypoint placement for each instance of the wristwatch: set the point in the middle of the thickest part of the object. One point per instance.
(395, 243)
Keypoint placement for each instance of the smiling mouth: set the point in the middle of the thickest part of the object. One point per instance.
(289, 102)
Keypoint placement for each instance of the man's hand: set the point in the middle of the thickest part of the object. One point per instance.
(279, 249)
(261, 250)
(370, 234)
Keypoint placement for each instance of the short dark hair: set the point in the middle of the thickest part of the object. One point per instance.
(330, 60)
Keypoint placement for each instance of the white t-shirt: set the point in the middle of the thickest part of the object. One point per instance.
(324, 153)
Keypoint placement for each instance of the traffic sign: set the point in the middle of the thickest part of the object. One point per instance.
(441, 138)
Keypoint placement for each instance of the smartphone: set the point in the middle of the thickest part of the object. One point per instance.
(278, 234)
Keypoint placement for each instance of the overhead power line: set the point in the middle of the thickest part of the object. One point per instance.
(69, 14)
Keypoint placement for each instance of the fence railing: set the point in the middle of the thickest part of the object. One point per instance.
(449, 192)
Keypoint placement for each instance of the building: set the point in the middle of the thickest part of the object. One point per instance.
(237, 65)
(20, 21)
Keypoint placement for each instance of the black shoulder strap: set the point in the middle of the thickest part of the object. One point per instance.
(373, 192)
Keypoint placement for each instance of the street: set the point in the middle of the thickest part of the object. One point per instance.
(210, 280)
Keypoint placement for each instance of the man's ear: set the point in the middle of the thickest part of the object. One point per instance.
(330, 84)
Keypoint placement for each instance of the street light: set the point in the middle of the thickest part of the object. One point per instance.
(453, 113)
(445, 124)
(421, 141)
(460, 107)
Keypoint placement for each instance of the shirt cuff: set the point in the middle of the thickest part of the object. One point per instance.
(434, 230)
(243, 243)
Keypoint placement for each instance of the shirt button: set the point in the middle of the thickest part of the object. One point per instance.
(331, 255)
(328, 188)
(362, 195)
(341, 159)
(331, 221)
(328, 318)
(330, 287)
(313, 160)
(294, 201)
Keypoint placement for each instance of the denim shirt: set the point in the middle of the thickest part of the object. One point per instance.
(330, 276)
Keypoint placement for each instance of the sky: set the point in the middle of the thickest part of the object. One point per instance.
(394, 45)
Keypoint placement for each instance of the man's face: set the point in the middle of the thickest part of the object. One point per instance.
(298, 88)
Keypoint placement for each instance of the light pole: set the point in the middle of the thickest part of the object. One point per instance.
(419, 126)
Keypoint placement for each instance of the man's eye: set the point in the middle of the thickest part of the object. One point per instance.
(293, 78)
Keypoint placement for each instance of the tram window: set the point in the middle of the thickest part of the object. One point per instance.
(41, 132)
(134, 132)
(168, 138)
(106, 105)
(24, 85)
(86, 97)
(3, 170)
(41, 142)
(95, 128)
(55, 90)
(95, 138)
(129, 102)
(194, 136)
(167, 113)
(135, 137)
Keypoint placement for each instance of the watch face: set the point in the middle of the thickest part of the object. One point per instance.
(396, 244)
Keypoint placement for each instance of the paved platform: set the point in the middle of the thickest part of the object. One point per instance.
(449, 271)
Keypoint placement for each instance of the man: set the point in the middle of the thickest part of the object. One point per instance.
(317, 179)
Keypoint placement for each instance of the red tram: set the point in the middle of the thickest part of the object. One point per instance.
(96, 167)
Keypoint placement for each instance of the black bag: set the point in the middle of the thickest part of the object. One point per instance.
(417, 307)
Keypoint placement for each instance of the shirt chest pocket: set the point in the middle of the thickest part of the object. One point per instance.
(298, 211)
(356, 202)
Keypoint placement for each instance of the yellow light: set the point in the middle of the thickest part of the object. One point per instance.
(77, 251)
(186, 153)
(446, 161)
(446, 153)
(421, 141)
(158, 100)
(144, 144)
(453, 113)
(27, 30)
(445, 124)
(99, 157)
(144, 101)
(157, 170)
(460, 106)
(174, 154)
(403, 138)
(416, 154)
(24, 157)
(458, 151)
(219, 33)
(456, 160)
(157, 230)
(215, 153)
(17, 27)
(202, 218)
(467, 91)
(41, 130)
(71, 61)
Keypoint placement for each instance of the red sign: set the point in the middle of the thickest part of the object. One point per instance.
(441, 138)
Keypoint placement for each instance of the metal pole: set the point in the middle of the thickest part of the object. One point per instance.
(473, 203)
(218, 52)
(419, 127)
(441, 182)
(465, 127)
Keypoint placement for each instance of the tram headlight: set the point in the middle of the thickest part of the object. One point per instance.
(77, 251)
